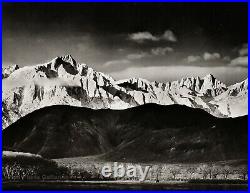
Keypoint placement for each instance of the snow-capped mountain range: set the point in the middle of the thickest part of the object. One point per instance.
(66, 82)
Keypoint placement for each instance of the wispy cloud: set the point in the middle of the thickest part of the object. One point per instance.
(204, 58)
(170, 73)
(126, 60)
(169, 36)
(160, 51)
(211, 56)
(226, 58)
(116, 62)
(137, 56)
(141, 37)
(192, 59)
(11, 83)
(240, 61)
(243, 51)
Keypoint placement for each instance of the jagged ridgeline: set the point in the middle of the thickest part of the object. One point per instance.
(63, 81)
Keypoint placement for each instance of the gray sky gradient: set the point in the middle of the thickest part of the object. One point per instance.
(155, 41)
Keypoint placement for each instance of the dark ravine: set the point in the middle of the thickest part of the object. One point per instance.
(145, 133)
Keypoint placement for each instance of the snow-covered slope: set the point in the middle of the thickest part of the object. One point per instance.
(7, 70)
(18, 154)
(64, 81)
(233, 102)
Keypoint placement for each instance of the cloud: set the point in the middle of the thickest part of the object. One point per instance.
(137, 56)
(9, 83)
(226, 58)
(121, 49)
(126, 60)
(192, 59)
(211, 56)
(169, 36)
(115, 62)
(160, 51)
(244, 50)
(227, 74)
(141, 37)
(205, 57)
(240, 61)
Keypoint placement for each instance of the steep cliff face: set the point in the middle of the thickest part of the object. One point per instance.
(63, 81)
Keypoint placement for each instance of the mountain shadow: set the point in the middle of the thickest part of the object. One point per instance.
(147, 133)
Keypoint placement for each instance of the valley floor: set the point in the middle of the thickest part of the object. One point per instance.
(120, 185)
(230, 170)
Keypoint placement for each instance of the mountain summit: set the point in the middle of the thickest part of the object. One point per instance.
(63, 81)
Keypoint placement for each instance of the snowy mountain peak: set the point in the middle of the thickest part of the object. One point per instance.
(209, 77)
(138, 84)
(64, 81)
(238, 88)
(69, 59)
(211, 86)
(206, 86)
(7, 70)
(66, 61)
(133, 80)
(234, 101)
(62, 67)
(245, 82)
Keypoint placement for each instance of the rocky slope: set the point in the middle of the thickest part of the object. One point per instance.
(63, 81)
(6, 71)
(234, 101)
(147, 133)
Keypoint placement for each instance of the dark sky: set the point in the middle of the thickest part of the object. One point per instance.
(160, 41)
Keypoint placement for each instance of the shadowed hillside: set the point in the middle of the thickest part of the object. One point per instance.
(146, 133)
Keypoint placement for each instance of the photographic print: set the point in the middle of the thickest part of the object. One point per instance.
(125, 96)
